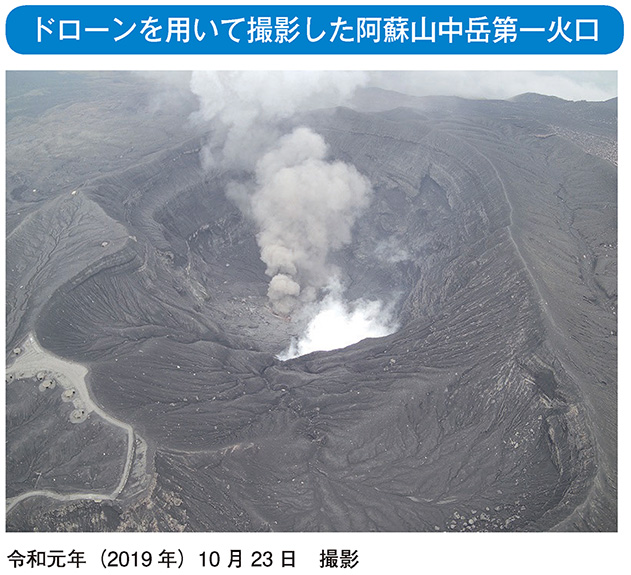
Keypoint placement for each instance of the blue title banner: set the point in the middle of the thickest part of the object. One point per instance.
(243, 29)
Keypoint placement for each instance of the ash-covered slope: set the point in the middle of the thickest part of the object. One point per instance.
(493, 407)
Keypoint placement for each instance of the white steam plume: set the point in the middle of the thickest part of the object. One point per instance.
(303, 205)
(335, 324)
(246, 107)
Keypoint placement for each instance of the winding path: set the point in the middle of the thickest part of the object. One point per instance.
(32, 360)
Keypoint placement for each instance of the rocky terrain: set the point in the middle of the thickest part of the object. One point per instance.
(493, 407)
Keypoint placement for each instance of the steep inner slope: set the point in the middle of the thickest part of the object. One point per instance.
(493, 407)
